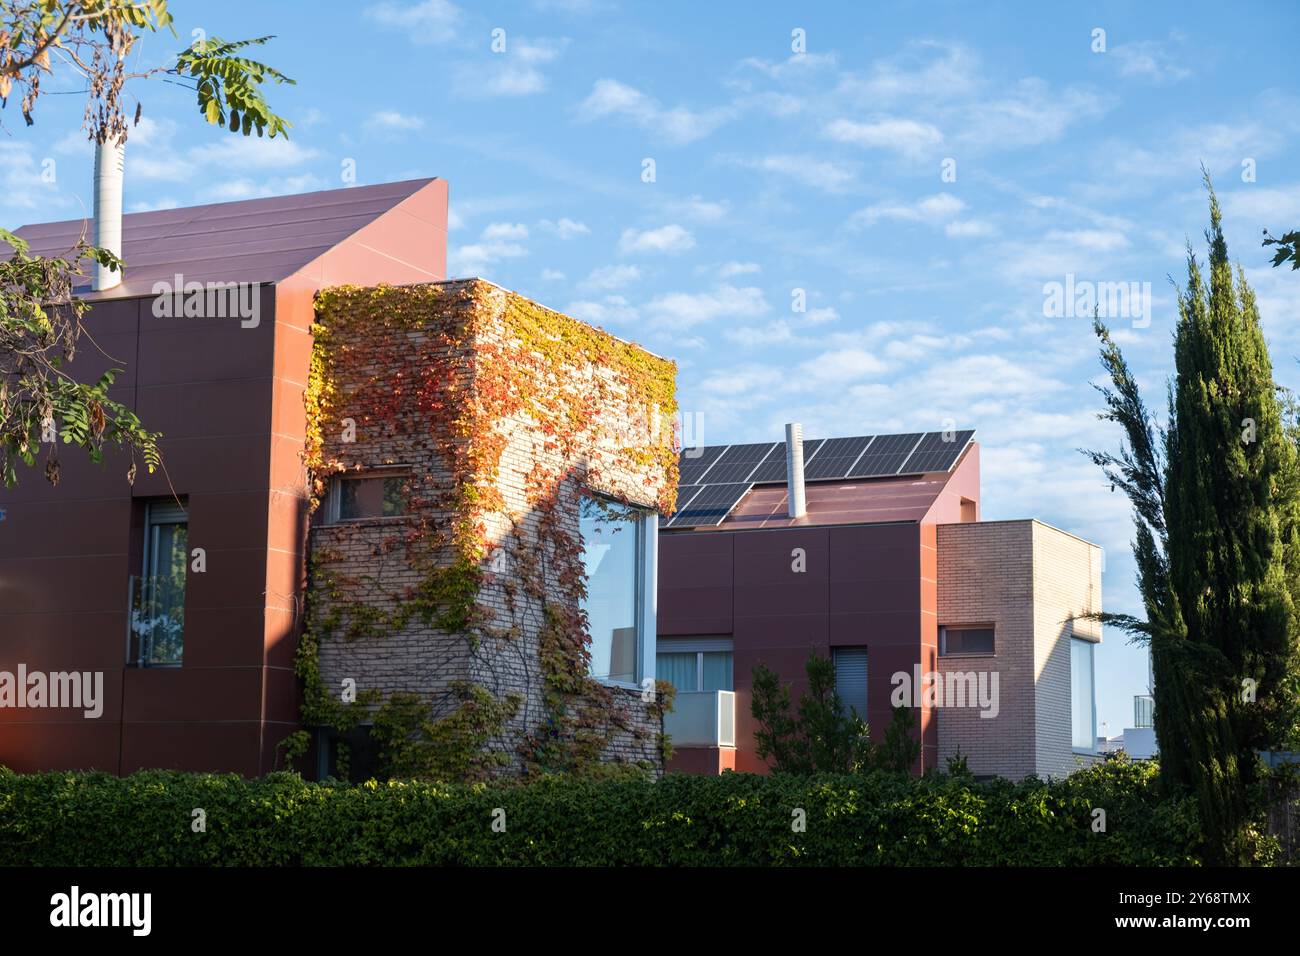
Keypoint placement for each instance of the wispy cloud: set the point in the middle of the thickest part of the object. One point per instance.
(671, 239)
(676, 125)
(429, 21)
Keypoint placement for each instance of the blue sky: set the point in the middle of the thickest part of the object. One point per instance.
(776, 172)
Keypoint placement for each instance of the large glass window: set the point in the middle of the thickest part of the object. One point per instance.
(613, 546)
(695, 664)
(1083, 705)
(158, 593)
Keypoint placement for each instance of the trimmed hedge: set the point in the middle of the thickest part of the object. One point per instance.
(95, 819)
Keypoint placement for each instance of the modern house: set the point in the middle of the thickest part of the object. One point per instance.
(359, 498)
(870, 550)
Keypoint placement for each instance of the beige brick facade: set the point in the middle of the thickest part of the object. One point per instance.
(419, 373)
(1027, 580)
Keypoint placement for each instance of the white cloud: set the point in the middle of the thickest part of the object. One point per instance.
(21, 177)
(552, 275)
(497, 241)
(505, 230)
(841, 366)
(245, 188)
(684, 310)
(430, 21)
(393, 121)
(730, 269)
(611, 277)
(1149, 59)
(677, 126)
(1093, 240)
(512, 72)
(821, 174)
(700, 209)
(253, 152)
(969, 229)
(932, 210)
(907, 137)
(821, 316)
(564, 228)
(670, 240)
(612, 308)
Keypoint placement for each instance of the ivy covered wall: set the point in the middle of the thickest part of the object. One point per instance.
(458, 624)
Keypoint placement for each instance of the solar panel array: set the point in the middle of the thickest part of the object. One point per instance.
(712, 482)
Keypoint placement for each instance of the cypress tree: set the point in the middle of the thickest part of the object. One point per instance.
(1216, 500)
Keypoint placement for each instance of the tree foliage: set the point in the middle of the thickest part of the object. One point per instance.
(1214, 495)
(821, 737)
(41, 400)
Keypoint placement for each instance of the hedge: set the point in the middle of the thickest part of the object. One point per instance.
(95, 819)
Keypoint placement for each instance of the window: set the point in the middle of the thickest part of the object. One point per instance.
(851, 679)
(1083, 706)
(966, 641)
(614, 542)
(367, 495)
(695, 665)
(158, 594)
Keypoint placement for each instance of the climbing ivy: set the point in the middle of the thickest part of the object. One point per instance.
(450, 371)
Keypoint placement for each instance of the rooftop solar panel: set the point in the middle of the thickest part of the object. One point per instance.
(834, 458)
(692, 468)
(737, 462)
(885, 456)
(773, 469)
(685, 493)
(936, 454)
(711, 505)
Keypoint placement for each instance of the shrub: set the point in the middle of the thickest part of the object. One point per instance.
(95, 819)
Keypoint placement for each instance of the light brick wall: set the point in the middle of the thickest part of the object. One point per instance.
(986, 577)
(1067, 583)
(1026, 579)
(505, 658)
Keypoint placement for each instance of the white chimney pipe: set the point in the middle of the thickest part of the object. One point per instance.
(794, 470)
(109, 163)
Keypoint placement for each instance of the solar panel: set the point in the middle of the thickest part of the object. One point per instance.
(711, 505)
(773, 469)
(935, 454)
(834, 458)
(737, 462)
(885, 456)
(692, 469)
(684, 495)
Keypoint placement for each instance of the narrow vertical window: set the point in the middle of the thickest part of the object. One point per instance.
(158, 593)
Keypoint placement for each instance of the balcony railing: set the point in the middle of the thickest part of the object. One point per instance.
(1143, 711)
(156, 621)
(703, 719)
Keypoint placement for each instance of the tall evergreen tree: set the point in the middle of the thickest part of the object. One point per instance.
(1216, 502)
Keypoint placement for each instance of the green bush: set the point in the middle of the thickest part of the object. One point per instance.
(84, 819)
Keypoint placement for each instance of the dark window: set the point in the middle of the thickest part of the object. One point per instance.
(851, 679)
(965, 641)
(368, 496)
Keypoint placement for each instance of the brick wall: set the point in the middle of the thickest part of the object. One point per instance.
(406, 364)
(985, 572)
(1026, 579)
(1067, 582)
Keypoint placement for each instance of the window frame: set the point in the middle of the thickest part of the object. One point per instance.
(699, 647)
(647, 586)
(171, 514)
(985, 626)
(1092, 684)
(334, 494)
